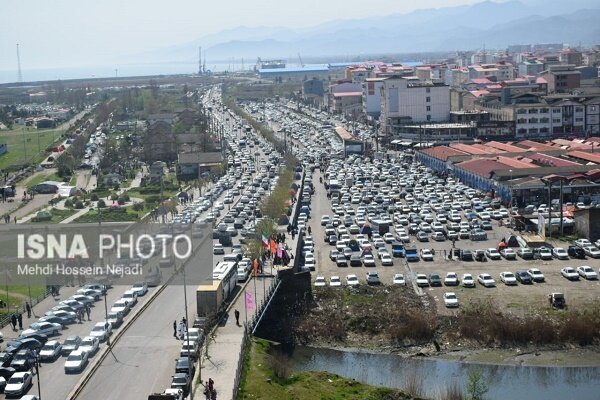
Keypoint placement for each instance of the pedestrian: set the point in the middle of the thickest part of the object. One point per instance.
(237, 317)
(13, 322)
(28, 308)
(20, 319)
(15, 218)
(88, 310)
(211, 385)
(309, 230)
(175, 329)
(80, 315)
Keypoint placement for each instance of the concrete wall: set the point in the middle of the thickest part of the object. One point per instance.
(587, 223)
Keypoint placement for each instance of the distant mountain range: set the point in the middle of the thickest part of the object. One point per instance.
(489, 24)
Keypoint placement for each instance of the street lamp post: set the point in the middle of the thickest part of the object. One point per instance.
(105, 289)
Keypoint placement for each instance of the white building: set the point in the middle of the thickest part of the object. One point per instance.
(372, 96)
(409, 100)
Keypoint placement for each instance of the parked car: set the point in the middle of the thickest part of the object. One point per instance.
(576, 252)
(450, 300)
(51, 350)
(352, 280)
(508, 278)
(399, 280)
(468, 281)
(486, 280)
(451, 279)
(524, 277)
(536, 275)
(560, 253)
(76, 361)
(525, 253)
(493, 254)
(570, 273)
(372, 278)
(19, 383)
(587, 273)
(435, 280)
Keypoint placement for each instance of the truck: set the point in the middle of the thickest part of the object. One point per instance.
(209, 297)
(397, 249)
(411, 254)
(168, 394)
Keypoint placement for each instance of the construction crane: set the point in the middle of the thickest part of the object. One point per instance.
(300, 58)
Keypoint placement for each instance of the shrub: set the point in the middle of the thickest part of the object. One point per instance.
(101, 204)
(121, 201)
(68, 203)
(94, 197)
(79, 204)
(114, 196)
(138, 207)
(126, 197)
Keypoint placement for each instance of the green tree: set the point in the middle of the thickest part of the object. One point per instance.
(477, 388)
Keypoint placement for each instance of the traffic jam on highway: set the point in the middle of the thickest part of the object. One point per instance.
(388, 220)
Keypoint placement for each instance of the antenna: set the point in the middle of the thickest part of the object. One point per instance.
(19, 72)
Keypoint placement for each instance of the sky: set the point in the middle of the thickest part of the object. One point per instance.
(75, 33)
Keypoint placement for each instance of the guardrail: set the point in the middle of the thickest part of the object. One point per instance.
(240, 366)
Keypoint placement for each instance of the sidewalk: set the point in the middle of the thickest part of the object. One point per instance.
(225, 346)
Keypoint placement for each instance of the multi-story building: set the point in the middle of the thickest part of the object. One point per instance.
(409, 100)
(571, 56)
(372, 96)
(531, 67)
(345, 97)
(562, 78)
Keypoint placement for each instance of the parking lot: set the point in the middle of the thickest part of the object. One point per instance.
(398, 196)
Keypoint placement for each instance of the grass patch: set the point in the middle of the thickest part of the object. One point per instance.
(58, 215)
(267, 375)
(15, 303)
(122, 214)
(27, 146)
(36, 291)
(42, 177)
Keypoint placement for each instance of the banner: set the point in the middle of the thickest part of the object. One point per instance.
(542, 225)
(249, 301)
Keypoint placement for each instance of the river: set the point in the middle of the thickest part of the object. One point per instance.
(505, 382)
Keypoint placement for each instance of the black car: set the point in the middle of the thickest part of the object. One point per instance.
(182, 366)
(23, 360)
(466, 255)
(576, 252)
(524, 277)
(28, 343)
(355, 260)
(5, 359)
(435, 280)
(181, 381)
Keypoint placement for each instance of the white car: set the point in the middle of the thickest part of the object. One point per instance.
(451, 279)
(44, 328)
(468, 281)
(320, 281)
(122, 306)
(50, 351)
(369, 260)
(592, 251)
(569, 273)
(89, 344)
(399, 280)
(587, 272)
(508, 253)
(583, 243)
(386, 260)
(101, 330)
(536, 275)
(422, 280)
(131, 297)
(450, 300)
(352, 280)
(335, 281)
(508, 278)
(486, 280)
(76, 361)
(218, 249)
(140, 288)
(560, 253)
(325, 219)
(18, 384)
(492, 254)
(426, 255)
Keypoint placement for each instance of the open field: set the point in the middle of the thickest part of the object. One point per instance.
(27, 145)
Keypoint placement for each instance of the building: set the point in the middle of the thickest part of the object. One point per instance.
(572, 57)
(345, 97)
(194, 165)
(531, 67)
(294, 73)
(562, 78)
(357, 74)
(159, 143)
(313, 91)
(352, 145)
(372, 97)
(407, 100)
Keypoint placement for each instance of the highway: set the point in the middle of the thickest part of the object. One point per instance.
(145, 355)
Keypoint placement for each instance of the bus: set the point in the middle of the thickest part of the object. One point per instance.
(226, 272)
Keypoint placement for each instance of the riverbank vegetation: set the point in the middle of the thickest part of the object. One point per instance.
(394, 317)
(268, 374)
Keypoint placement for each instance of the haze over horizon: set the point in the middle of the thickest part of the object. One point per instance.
(69, 34)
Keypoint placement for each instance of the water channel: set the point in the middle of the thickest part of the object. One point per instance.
(505, 382)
